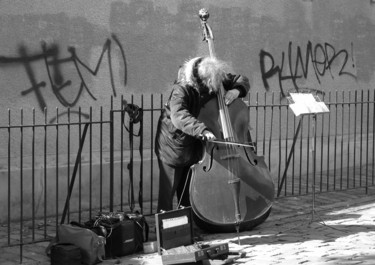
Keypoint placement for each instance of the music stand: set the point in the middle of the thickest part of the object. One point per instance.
(303, 104)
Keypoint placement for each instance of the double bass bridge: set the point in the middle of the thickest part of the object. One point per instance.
(230, 156)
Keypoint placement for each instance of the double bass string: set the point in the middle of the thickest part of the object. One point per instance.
(232, 155)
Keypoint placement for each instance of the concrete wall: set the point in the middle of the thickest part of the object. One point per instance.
(79, 53)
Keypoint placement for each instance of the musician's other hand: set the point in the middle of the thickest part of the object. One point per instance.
(231, 95)
(208, 136)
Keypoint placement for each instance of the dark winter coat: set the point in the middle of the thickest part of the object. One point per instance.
(177, 140)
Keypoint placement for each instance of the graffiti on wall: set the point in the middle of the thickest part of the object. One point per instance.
(53, 62)
(324, 58)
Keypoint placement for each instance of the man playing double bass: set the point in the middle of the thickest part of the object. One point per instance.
(178, 138)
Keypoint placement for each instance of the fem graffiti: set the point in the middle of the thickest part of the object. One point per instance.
(322, 58)
(53, 62)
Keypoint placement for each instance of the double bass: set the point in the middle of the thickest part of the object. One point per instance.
(231, 188)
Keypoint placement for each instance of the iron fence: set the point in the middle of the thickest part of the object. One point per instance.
(63, 166)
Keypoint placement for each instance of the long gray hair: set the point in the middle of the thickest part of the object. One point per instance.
(205, 71)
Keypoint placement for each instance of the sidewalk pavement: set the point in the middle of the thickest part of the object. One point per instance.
(339, 229)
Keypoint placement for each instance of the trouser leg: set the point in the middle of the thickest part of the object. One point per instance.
(166, 191)
(171, 181)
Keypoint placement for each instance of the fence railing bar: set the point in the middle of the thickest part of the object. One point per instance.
(361, 141)
(68, 163)
(279, 143)
(373, 142)
(45, 172)
(300, 159)
(140, 149)
(348, 145)
(293, 157)
(335, 146)
(367, 137)
(111, 167)
(321, 152)
(286, 141)
(90, 166)
(122, 153)
(308, 149)
(355, 139)
(264, 127)
(57, 169)
(21, 188)
(151, 153)
(33, 177)
(80, 169)
(328, 145)
(130, 165)
(271, 132)
(342, 143)
(257, 119)
(101, 160)
(315, 124)
(9, 174)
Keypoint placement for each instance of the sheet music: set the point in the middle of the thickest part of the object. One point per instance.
(304, 103)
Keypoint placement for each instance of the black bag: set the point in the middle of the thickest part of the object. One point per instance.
(124, 232)
(91, 244)
(62, 254)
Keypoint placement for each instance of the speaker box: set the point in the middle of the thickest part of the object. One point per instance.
(124, 238)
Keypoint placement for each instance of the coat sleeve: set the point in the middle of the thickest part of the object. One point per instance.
(181, 113)
(239, 82)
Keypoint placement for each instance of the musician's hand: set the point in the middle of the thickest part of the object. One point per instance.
(231, 95)
(208, 136)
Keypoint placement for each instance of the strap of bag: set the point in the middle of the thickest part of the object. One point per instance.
(145, 228)
(141, 221)
(52, 243)
(130, 168)
(140, 133)
(135, 116)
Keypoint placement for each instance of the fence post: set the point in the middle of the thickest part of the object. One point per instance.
(111, 160)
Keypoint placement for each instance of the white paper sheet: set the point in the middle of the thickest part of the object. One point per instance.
(304, 103)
